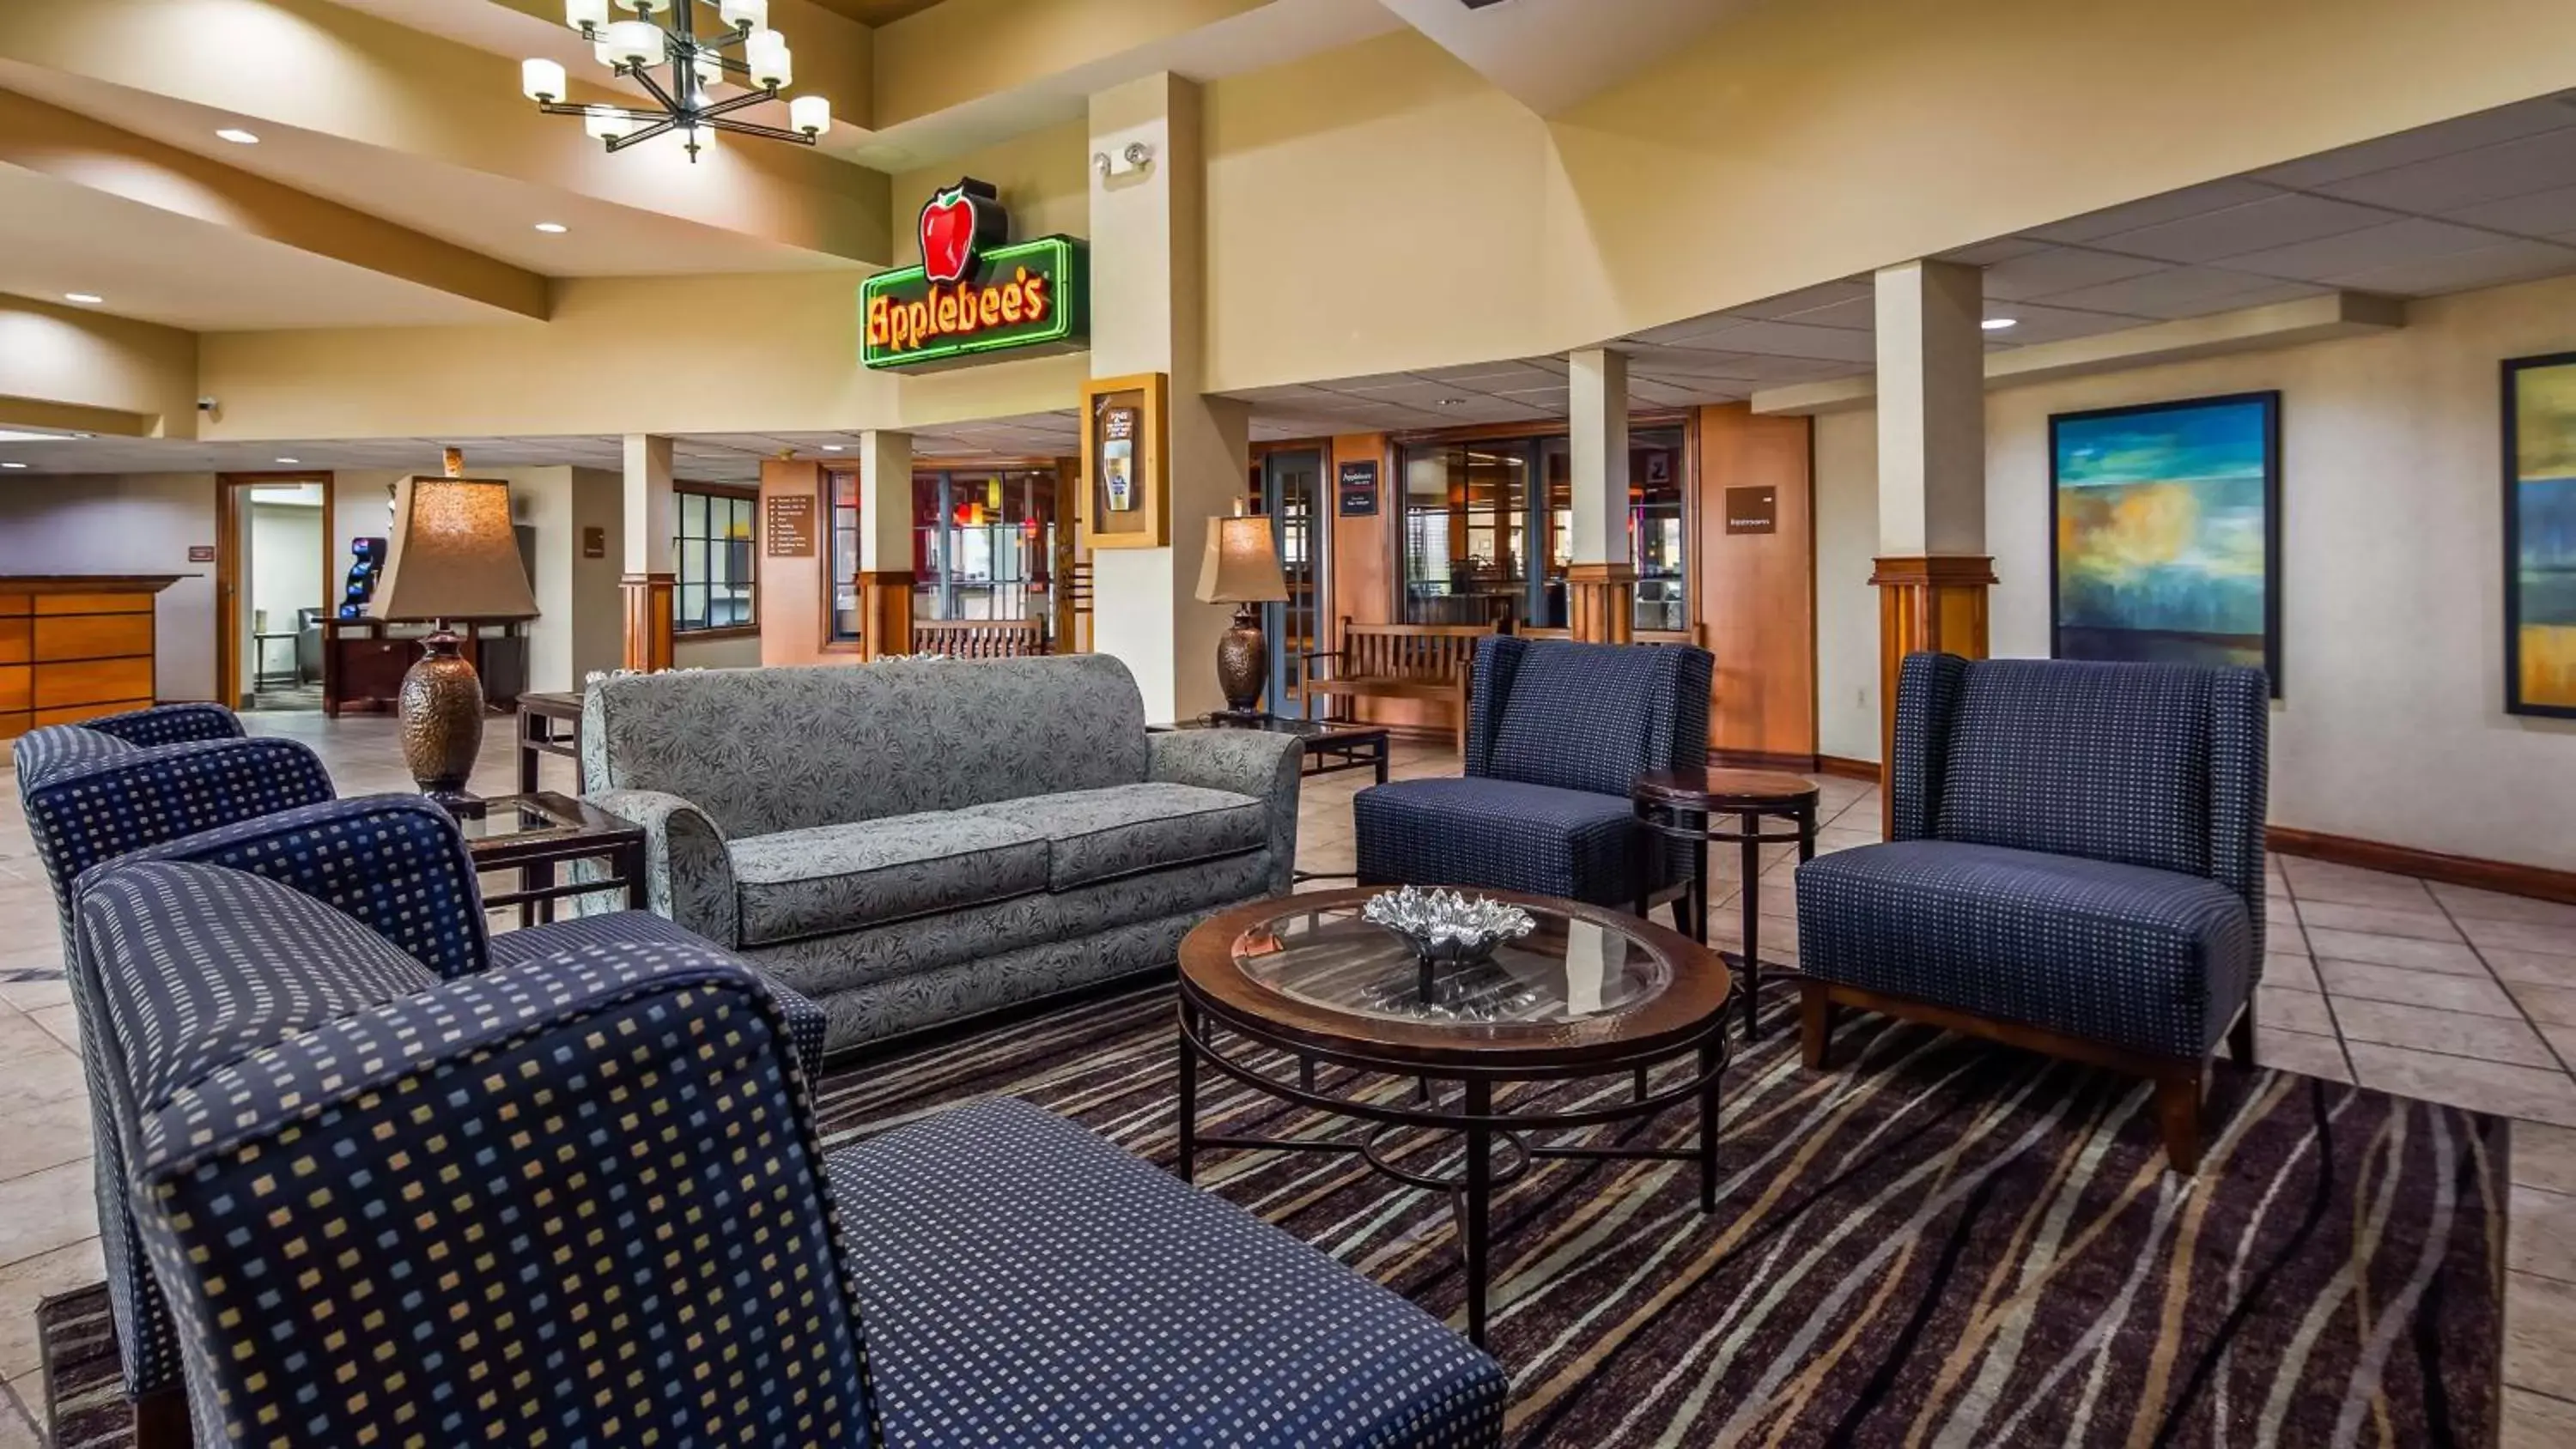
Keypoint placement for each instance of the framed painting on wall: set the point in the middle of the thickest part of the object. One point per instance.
(2540, 535)
(2167, 539)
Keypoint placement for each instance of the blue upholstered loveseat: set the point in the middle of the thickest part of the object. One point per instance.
(2074, 864)
(1556, 734)
(182, 782)
(914, 842)
(578, 1199)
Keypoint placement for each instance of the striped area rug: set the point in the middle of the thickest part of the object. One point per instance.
(1940, 1243)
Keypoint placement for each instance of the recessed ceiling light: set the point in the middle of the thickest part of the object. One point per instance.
(1449, 402)
(237, 136)
(290, 462)
(1998, 324)
(86, 299)
(553, 228)
(833, 447)
(12, 465)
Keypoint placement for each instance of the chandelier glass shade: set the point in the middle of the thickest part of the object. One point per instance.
(662, 51)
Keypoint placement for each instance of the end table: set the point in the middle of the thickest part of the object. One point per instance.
(1729, 806)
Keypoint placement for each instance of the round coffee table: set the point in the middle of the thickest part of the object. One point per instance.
(1590, 993)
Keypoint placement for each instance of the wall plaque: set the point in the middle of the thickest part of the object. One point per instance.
(594, 543)
(201, 553)
(1752, 510)
(790, 526)
(1355, 484)
(1126, 474)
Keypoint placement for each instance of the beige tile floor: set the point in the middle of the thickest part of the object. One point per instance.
(2429, 990)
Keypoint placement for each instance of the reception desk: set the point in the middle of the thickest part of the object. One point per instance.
(75, 646)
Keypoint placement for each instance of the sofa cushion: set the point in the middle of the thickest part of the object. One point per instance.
(1499, 835)
(2135, 957)
(833, 878)
(1097, 835)
(1024, 1282)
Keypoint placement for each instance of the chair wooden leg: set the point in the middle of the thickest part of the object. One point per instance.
(1815, 1024)
(2240, 1037)
(161, 1420)
(2178, 1112)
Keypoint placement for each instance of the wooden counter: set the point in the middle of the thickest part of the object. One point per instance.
(74, 646)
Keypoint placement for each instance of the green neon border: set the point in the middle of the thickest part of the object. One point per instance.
(1073, 306)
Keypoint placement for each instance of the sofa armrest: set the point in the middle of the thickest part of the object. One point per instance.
(396, 864)
(1266, 766)
(688, 871)
(169, 724)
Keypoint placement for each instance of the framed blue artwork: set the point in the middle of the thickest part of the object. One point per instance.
(2167, 538)
(2540, 535)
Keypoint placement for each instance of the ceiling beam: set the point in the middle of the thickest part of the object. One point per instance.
(68, 147)
(70, 368)
(340, 71)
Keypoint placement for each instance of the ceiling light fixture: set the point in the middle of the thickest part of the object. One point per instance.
(290, 462)
(553, 228)
(1998, 324)
(86, 299)
(12, 465)
(833, 447)
(664, 37)
(237, 136)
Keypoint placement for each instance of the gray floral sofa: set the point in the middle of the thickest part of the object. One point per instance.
(910, 843)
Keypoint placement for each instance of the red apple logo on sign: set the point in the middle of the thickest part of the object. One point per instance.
(948, 234)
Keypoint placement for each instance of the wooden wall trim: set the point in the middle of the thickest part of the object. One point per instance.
(2539, 882)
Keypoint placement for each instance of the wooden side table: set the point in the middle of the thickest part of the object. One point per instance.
(1698, 806)
(534, 833)
(549, 724)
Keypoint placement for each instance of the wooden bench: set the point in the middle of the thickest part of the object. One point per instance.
(1399, 661)
(979, 638)
(1696, 634)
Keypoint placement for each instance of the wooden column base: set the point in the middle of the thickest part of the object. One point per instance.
(648, 620)
(1933, 604)
(885, 612)
(1601, 602)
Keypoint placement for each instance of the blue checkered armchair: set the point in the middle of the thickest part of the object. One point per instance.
(396, 863)
(1556, 734)
(42, 751)
(579, 1199)
(2075, 863)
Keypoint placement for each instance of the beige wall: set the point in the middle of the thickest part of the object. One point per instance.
(1044, 178)
(2392, 726)
(141, 523)
(62, 367)
(1847, 720)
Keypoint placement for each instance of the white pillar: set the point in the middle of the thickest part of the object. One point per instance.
(1931, 410)
(1148, 271)
(651, 517)
(885, 502)
(1596, 380)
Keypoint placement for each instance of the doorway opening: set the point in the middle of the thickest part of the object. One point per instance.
(1291, 482)
(275, 553)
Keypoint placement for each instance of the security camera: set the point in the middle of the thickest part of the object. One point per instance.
(206, 404)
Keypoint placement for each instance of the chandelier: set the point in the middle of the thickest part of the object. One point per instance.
(664, 34)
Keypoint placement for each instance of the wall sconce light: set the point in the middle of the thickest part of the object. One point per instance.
(1134, 156)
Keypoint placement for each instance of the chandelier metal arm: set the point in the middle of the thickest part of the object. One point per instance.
(663, 127)
(754, 128)
(682, 103)
(653, 87)
(745, 100)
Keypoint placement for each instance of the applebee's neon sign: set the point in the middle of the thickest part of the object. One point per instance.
(976, 292)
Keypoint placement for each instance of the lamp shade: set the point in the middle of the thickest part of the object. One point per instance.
(541, 79)
(636, 42)
(1241, 565)
(585, 14)
(810, 114)
(744, 14)
(773, 66)
(454, 554)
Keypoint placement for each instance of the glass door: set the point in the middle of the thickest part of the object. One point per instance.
(1290, 485)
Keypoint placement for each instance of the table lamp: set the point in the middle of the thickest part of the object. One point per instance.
(454, 557)
(1241, 567)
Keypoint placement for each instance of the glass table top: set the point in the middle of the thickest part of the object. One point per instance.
(1568, 970)
(519, 817)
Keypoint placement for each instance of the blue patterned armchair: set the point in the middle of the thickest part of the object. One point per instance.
(42, 751)
(394, 862)
(1556, 734)
(579, 1199)
(2075, 864)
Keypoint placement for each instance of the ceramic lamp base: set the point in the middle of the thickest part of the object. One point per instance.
(442, 719)
(1243, 661)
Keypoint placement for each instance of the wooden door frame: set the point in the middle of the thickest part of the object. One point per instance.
(228, 564)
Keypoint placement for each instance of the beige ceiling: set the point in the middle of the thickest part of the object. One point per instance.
(876, 12)
(2480, 201)
(159, 266)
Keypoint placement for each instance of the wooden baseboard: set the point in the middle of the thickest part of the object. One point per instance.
(1847, 769)
(1762, 760)
(2504, 876)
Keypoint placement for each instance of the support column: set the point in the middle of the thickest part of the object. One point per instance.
(885, 543)
(650, 529)
(1601, 578)
(1933, 570)
(1148, 271)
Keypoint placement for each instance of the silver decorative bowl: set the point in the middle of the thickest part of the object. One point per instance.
(1445, 928)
